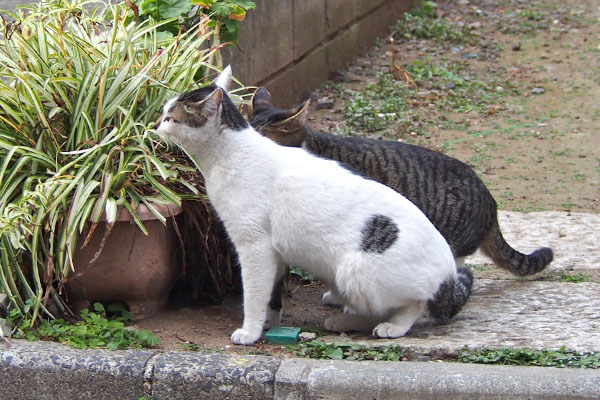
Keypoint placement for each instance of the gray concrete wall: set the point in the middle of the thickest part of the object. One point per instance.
(292, 46)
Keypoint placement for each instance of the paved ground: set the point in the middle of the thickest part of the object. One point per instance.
(501, 312)
(506, 311)
(52, 371)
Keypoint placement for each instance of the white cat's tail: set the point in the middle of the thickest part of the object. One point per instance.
(451, 296)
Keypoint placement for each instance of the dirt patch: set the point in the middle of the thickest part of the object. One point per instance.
(209, 327)
(516, 97)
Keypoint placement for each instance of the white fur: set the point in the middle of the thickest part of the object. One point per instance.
(224, 79)
(283, 205)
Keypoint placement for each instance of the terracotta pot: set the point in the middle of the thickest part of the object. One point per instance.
(132, 268)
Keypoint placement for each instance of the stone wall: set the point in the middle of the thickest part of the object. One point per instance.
(292, 46)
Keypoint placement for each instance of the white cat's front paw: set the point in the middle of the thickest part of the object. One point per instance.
(243, 337)
(389, 330)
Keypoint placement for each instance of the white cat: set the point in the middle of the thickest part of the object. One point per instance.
(377, 250)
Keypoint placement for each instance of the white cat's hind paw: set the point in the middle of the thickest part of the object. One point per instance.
(389, 330)
(243, 337)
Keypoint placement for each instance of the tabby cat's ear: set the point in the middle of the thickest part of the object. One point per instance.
(299, 116)
(261, 97)
(224, 79)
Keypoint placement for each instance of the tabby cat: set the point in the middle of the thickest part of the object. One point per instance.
(281, 205)
(448, 191)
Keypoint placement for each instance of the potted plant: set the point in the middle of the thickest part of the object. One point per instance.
(80, 91)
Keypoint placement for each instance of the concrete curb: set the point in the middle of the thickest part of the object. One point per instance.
(54, 371)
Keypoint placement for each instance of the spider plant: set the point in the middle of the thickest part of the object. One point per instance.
(79, 91)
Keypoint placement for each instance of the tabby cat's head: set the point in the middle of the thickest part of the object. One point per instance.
(284, 127)
(192, 117)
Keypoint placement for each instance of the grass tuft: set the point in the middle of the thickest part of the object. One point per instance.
(346, 351)
(560, 358)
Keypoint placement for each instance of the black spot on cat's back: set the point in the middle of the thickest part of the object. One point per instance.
(378, 234)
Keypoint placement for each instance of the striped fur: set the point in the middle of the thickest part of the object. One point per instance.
(447, 190)
(451, 296)
(283, 205)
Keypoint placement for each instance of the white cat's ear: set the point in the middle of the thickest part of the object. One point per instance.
(210, 105)
(206, 107)
(261, 96)
(224, 79)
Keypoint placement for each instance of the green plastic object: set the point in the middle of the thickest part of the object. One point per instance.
(282, 335)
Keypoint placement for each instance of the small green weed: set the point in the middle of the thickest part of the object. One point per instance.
(523, 356)
(580, 176)
(480, 268)
(346, 351)
(190, 346)
(361, 112)
(449, 144)
(458, 90)
(94, 331)
(422, 22)
(528, 21)
(305, 276)
(377, 106)
(578, 277)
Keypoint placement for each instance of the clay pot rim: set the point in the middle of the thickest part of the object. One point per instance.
(144, 213)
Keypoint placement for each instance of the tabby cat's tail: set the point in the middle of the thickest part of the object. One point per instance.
(506, 257)
(451, 296)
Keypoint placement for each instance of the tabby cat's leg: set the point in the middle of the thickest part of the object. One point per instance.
(259, 263)
(400, 322)
(276, 302)
(332, 298)
(349, 323)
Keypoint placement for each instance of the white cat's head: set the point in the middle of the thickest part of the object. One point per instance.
(192, 117)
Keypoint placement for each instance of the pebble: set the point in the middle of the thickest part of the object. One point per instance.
(351, 78)
(517, 46)
(325, 103)
(538, 90)
(307, 336)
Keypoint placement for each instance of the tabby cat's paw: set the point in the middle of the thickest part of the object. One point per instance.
(389, 330)
(334, 324)
(331, 299)
(243, 337)
(273, 319)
